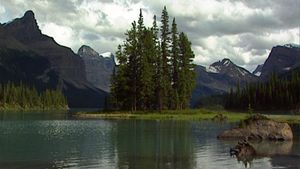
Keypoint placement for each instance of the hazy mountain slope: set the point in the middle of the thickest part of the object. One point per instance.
(98, 68)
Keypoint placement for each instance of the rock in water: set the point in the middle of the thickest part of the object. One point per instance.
(259, 127)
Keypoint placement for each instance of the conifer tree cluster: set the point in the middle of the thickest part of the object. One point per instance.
(155, 68)
(276, 94)
(22, 97)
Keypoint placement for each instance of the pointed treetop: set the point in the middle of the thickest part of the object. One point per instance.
(141, 20)
(174, 25)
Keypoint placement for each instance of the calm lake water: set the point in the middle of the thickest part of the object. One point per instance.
(58, 141)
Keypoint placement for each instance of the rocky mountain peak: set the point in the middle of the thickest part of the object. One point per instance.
(25, 28)
(223, 63)
(87, 51)
(226, 62)
(281, 60)
(98, 67)
(227, 67)
(29, 15)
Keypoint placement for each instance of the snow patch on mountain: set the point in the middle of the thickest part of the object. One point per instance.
(257, 74)
(212, 69)
(292, 45)
(243, 72)
(107, 54)
(226, 63)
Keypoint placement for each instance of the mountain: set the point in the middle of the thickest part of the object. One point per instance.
(29, 56)
(258, 70)
(218, 78)
(98, 68)
(281, 60)
(227, 67)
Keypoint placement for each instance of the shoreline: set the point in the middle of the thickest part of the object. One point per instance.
(191, 114)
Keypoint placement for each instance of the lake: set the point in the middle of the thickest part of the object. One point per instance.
(56, 140)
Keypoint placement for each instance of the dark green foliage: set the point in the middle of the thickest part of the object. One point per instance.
(153, 73)
(175, 103)
(166, 90)
(186, 82)
(276, 94)
(22, 97)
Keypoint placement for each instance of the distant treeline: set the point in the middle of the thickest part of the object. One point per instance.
(155, 68)
(22, 97)
(276, 94)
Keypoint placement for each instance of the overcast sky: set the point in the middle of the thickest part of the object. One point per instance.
(242, 30)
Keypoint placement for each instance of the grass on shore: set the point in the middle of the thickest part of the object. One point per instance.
(190, 114)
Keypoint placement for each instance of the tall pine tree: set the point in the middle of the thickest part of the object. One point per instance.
(175, 66)
(165, 56)
(187, 73)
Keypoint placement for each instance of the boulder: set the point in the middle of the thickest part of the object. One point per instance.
(259, 127)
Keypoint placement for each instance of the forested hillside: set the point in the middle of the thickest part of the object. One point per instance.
(22, 97)
(276, 94)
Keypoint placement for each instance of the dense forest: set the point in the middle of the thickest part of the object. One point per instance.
(155, 68)
(21, 97)
(276, 94)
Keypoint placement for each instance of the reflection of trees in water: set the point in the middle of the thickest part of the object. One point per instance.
(150, 144)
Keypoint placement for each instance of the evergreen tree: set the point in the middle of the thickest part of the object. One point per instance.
(186, 73)
(20, 96)
(119, 87)
(147, 88)
(158, 67)
(174, 65)
(131, 50)
(274, 94)
(165, 54)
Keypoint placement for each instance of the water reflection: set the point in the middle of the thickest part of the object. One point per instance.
(27, 142)
(278, 152)
(151, 145)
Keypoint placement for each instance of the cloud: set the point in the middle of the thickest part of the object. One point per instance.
(242, 30)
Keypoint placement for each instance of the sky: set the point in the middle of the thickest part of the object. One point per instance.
(242, 30)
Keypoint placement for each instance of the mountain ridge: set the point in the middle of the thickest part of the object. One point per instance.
(23, 35)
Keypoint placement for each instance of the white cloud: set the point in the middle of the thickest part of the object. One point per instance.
(63, 35)
(2, 10)
(243, 31)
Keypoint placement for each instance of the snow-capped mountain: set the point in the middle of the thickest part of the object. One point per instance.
(226, 66)
(219, 78)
